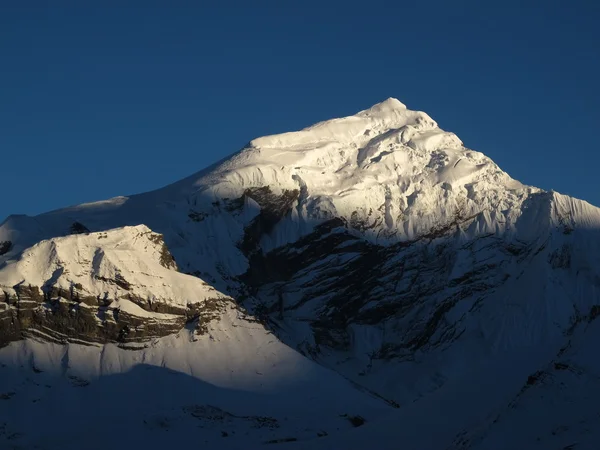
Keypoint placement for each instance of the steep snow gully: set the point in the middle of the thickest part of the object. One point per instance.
(367, 282)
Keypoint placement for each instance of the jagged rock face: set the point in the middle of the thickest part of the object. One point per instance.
(5, 247)
(61, 320)
(117, 286)
(423, 295)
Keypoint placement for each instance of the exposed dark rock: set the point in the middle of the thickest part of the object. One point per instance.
(351, 281)
(156, 306)
(281, 264)
(535, 378)
(281, 440)
(205, 312)
(231, 206)
(5, 247)
(78, 382)
(214, 414)
(560, 258)
(166, 258)
(60, 315)
(273, 209)
(362, 222)
(75, 293)
(561, 366)
(118, 280)
(594, 313)
(356, 421)
(197, 216)
(78, 228)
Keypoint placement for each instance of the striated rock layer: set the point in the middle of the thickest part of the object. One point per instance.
(115, 286)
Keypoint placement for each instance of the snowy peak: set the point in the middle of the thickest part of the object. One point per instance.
(386, 107)
(392, 169)
(352, 129)
(389, 172)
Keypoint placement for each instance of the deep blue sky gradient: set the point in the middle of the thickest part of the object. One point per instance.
(106, 100)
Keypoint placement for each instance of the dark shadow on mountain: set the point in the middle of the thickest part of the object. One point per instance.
(148, 407)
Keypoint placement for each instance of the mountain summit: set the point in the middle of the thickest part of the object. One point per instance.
(372, 264)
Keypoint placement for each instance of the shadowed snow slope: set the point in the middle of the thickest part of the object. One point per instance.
(234, 387)
(304, 285)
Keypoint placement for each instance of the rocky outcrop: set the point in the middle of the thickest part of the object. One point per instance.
(273, 208)
(5, 247)
(62, 316)
(118, 286)
(78, 228)
(414, 296)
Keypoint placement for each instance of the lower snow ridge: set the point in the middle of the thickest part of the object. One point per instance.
(234, 387)
(115, 286)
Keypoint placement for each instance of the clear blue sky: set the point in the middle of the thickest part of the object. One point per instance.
(111, 100)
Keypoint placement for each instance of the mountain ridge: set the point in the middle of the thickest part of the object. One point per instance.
(376, 245)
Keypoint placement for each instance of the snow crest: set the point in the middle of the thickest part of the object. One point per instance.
(129, 261)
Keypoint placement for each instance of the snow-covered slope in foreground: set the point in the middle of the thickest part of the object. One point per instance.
(536, 398)
(234, 386)
(377, 245)
(147, 350)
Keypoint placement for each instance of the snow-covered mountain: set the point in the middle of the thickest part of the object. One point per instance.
(439, 300)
